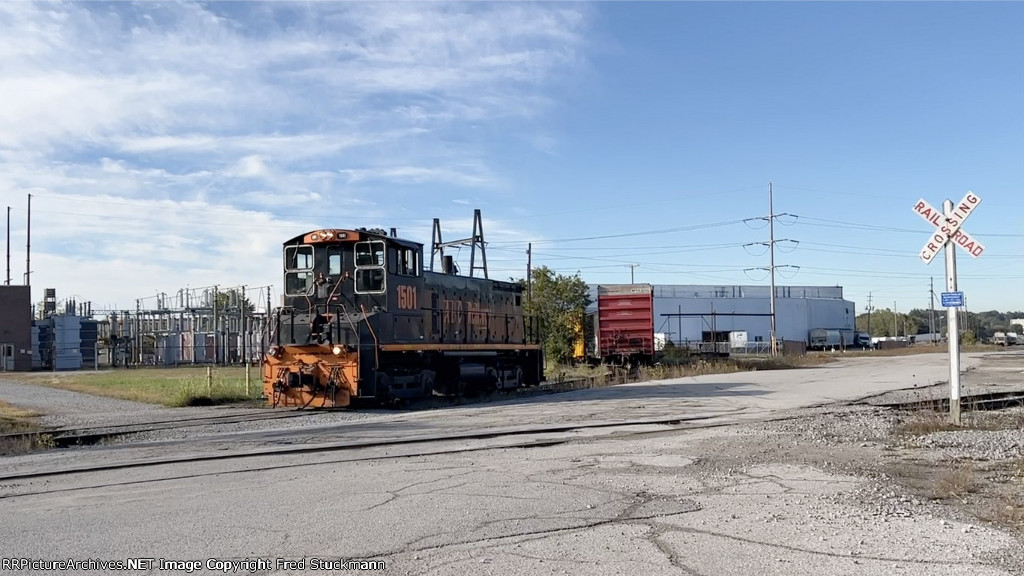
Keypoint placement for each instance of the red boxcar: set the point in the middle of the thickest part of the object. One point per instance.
(625, 322)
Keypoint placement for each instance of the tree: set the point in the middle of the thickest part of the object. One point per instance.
(885, 323)
(558, 304)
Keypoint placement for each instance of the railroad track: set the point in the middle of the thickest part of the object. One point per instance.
(426, 439)
(85, 436)
(82, 436)
(987, 401)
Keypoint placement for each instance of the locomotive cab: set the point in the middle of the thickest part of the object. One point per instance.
(337, 283)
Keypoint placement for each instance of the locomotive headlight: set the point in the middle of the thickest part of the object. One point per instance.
(337, 350)
(273, 351)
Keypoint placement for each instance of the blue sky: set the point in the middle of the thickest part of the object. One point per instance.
(173, 145)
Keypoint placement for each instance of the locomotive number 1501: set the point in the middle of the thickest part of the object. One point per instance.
(407, 298)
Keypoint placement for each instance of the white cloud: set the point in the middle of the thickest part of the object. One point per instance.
(116, 250)
(252, 166)
(175, 143)
(419, 174)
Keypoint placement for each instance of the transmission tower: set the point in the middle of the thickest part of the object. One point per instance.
(771, 268)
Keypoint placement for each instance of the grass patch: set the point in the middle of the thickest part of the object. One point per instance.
(923, 423)
(186, 386)
(1007, 511)
(14, 413)
(928, 421)
(15, 420)
(25, 444)
(956, 483)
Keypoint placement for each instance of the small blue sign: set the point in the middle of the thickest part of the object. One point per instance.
(953, 299)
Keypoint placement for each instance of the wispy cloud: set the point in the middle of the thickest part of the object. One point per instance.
(177, 139)
(419, 174)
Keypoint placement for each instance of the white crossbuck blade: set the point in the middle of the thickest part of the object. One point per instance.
(949, 228)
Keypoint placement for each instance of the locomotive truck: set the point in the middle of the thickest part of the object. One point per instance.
(361, 319)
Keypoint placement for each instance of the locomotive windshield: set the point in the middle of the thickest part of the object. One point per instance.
(370, 267)
(298, 264)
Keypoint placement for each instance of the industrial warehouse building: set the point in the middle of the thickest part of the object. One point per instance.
(741, 315)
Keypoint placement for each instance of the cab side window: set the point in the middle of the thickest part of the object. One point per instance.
(408, 262)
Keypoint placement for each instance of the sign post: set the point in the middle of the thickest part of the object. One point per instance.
(952, 321)
(948, 236)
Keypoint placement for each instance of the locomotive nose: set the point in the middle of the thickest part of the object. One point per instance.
(322, 379)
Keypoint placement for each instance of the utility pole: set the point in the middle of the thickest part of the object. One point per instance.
(241, 325)
(632, 267)
(138, 332)
(771, 263)
(216, 328)
(895, 326)
(529, 275)
(28, 245)
(8, 282)
(870, 308)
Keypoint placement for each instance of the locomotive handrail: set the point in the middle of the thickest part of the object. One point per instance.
(376, 343)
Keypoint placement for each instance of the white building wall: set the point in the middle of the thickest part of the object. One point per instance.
(792, 318)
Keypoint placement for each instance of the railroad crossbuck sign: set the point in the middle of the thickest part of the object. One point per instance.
(948, 222)
(948, 227)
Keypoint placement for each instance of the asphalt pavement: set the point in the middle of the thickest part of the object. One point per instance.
(658, 498)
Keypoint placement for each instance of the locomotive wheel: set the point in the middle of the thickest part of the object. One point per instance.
(427, 382)
(517, 379)
(491, 383)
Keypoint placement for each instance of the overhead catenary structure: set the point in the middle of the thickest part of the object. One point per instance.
(475, 242)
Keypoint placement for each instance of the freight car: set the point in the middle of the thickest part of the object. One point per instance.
(362, 320)
(621, 328)
(625, 323)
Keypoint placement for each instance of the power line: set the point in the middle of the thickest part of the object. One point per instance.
(629, 234)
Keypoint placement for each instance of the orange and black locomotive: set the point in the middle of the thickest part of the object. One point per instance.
(361, 319)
